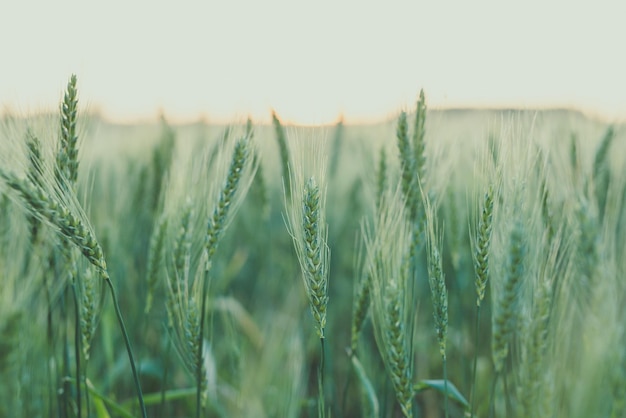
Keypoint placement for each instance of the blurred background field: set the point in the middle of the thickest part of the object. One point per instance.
(262, 355)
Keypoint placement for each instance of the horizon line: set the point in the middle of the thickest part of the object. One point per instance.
(205, 118)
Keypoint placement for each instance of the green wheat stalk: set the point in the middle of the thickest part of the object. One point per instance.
(504, 320)
(505, 313)
(238, 179)
(306, 223)
(388, 256)
(481, 268)
(439, 293)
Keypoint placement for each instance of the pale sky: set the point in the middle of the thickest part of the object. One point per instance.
(311, 60)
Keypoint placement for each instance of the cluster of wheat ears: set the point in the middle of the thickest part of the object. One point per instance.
(510, 237)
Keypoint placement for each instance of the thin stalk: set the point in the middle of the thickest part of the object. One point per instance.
(473, 389)
(118, 313)
(145, 328)
(199, 377)
(445, 387)
(77, 349)
(320, 379)
(50, 345)
(66, 359)
(481, 268)
(87, 400)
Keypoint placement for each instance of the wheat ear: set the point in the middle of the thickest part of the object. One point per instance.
(481, 248)
(68, 151)
(230, 195)
(306, 223)
(59, 216)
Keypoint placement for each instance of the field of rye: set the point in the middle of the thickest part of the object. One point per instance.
(440, 264)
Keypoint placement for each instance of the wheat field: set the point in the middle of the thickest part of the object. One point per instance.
(457, 263)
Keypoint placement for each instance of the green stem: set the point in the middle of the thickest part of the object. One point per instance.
(50, 345)
(445, 386)
(145, 328)
(320, 380)
(66, 358)
(199, 377)
(87, 401)
(473, 389)
(118, 313)
(77, 349)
